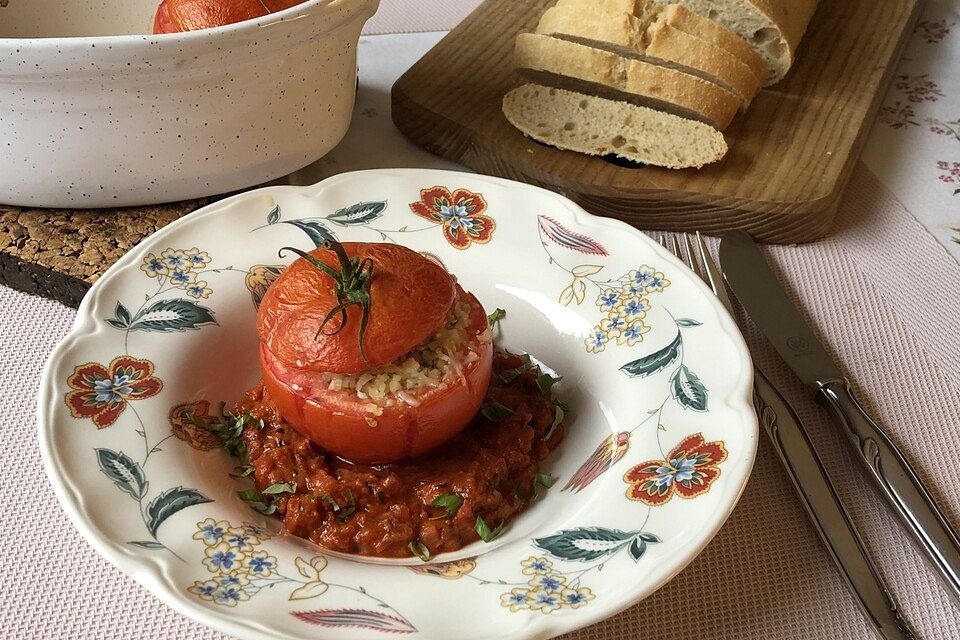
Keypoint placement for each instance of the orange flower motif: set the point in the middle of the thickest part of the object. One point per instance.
(460, 213)
(102, 393)
(187, 421)
(689, 470)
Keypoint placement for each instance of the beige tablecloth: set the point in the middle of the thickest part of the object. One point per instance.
(883, 293)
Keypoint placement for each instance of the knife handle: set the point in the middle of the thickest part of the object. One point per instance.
(828, 514)
(898, 481)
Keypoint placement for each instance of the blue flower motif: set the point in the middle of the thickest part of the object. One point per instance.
(518, 599)
(260, 564)
(113, 390)
(230, 596)
(548, 583)
(614, 325)
(635, 308)
(657, 283)
(574, 597)
(685, 469)
(597, 340)
(174, 259)
(206, 590)
(456, 215)
(224, 559)
(182, 278)
(153, 266)
(609, 300)
(210, 531)
(197, 258)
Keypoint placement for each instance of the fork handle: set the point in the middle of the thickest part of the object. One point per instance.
(828, 514)
(898, 482)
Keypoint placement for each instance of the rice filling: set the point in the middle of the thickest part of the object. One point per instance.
(430, 364)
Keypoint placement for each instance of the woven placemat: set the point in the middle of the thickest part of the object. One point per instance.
(59, 253)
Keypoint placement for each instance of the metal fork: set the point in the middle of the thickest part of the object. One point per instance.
(806, 471)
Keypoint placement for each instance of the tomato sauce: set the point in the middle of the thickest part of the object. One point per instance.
(380, 510)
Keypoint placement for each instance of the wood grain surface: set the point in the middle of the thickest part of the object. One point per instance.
(790, 155)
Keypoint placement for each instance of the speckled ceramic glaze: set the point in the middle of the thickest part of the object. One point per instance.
(110, 119)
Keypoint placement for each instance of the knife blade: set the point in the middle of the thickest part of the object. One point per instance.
(765, 300)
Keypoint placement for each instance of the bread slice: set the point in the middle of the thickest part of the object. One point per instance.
(681, 19)
(772, 27)
(655, 42)
(568, 65)
(599, 127)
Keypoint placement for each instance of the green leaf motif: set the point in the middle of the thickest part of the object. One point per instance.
(170, 502)
(688, 322)
(314, 228)
(153, 545)
(639, 545)
(121, 317)
(274, 215)
(360, 213)
(585, 543)
(177, 314)
(123, 471)
(688, 390)
(655, 362)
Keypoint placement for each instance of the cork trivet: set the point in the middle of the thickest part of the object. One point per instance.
(59, 253)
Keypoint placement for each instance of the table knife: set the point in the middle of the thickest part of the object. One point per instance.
(829, 517)
(765, 300)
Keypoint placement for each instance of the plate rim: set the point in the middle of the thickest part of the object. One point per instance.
(145, 570)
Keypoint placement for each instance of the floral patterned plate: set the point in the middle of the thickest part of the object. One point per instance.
(660, 434)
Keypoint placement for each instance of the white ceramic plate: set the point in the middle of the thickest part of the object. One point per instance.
(659, 443)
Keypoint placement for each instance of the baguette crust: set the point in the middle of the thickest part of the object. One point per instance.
(773, 28)
(678, 17)
(657, 43)
(596, 126)
(625, 79)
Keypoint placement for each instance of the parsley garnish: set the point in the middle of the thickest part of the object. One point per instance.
(541, 480)
(484, 531)
(495, 317)
(449, 501)
(560, 409)
(420, 550)
(281, 487)
(257, 501)
(328, 498)
(344, 513)
(495, 412)
(509, 375)
(545, 381)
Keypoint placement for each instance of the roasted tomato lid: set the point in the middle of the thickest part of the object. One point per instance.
(301, 323)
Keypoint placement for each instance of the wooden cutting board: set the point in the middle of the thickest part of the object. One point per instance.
(790, 155)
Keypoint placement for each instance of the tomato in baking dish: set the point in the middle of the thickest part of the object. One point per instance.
(173, 16)
(373, 351)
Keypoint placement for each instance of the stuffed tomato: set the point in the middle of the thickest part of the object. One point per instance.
(373, 351)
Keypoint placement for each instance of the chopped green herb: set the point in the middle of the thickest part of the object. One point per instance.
(484, 531)
(496, 316)
(242, 471)
(257, 501)
(449, 501)
(229, 429)
(420, 550)
(328, 498)
(509, 375)
(282, 487)
(344, 513)
(545, 381)
(560, 409)
(495, 412)
(541, 480)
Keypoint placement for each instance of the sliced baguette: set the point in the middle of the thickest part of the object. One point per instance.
(772, 27)
(680, 18)
(568, 65)
(599, 127)
(654, 42)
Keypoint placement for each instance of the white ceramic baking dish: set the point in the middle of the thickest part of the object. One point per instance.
(94, 115)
